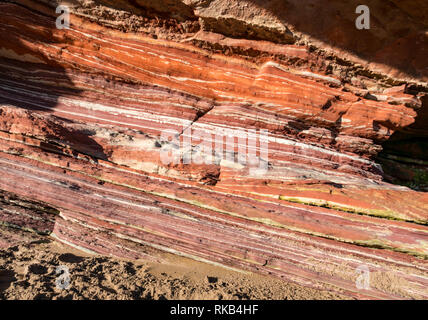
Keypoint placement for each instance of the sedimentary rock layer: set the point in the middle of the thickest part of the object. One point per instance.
(90, 116)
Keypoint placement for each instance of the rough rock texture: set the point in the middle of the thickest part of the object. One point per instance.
(82, 112)
(31, 274)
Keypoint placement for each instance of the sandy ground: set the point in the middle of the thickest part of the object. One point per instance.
(28, 271)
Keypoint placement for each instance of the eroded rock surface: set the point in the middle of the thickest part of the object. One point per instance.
(84, 111)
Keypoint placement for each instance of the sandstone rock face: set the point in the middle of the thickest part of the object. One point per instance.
(130, 133)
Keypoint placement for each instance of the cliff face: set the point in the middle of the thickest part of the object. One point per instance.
(107, 127)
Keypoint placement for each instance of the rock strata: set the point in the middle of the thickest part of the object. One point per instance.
(89, 114)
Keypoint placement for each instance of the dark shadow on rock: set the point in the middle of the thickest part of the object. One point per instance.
(6, 278)
(404, 157)
(32, 80)
(70, 258)
(26, 214)
(37, 269)
(397, 36)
